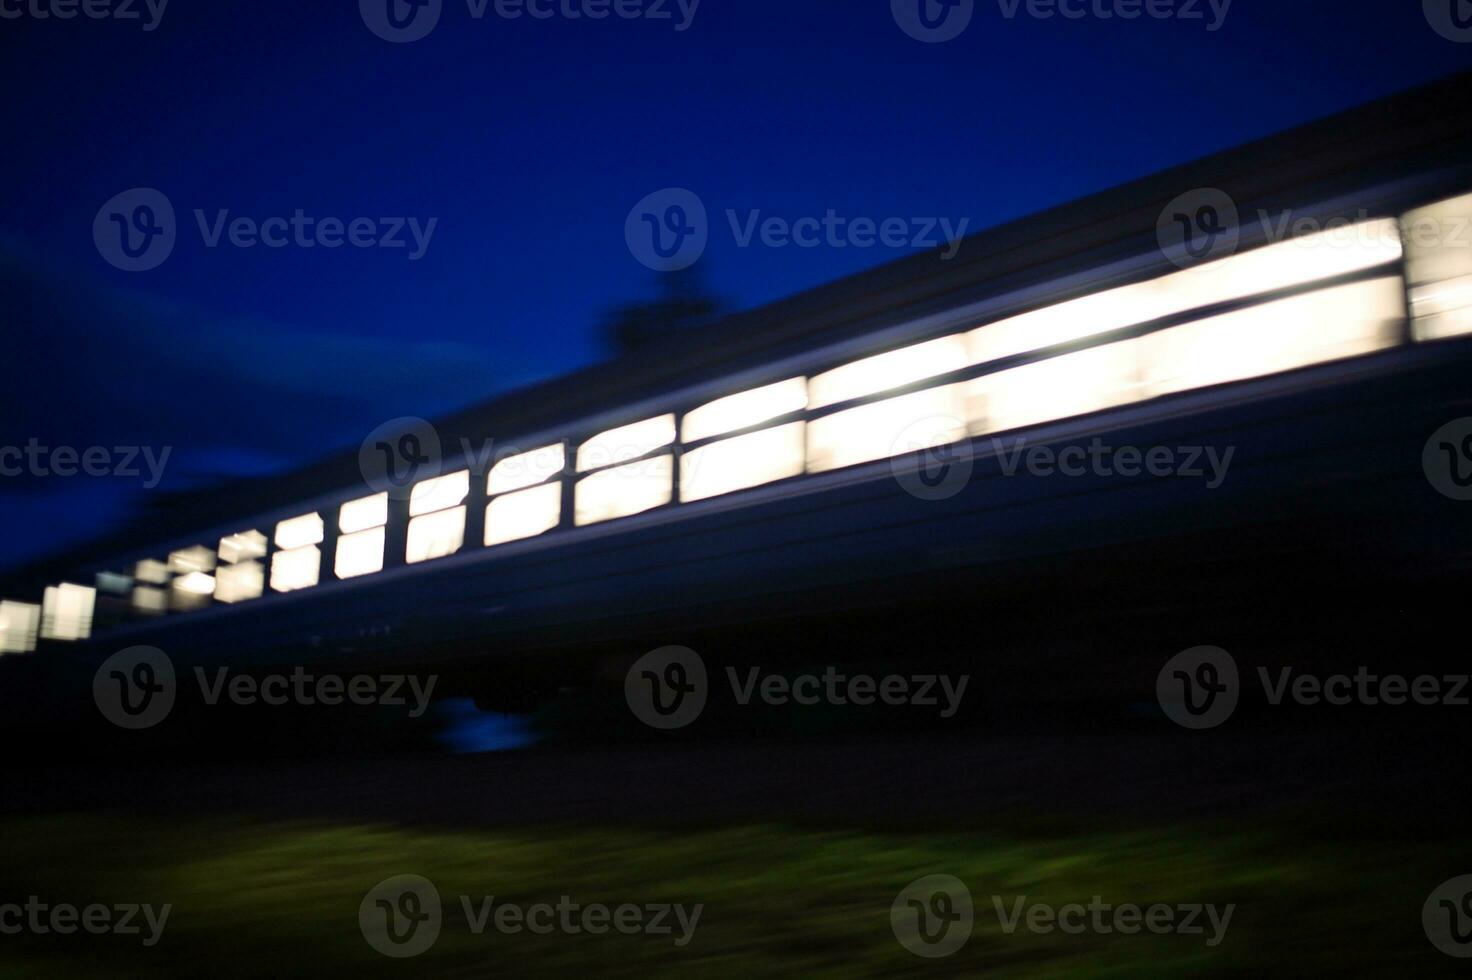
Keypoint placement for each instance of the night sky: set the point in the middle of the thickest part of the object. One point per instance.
(527, 142)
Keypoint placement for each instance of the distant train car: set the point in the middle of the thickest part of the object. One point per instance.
(1142, 403)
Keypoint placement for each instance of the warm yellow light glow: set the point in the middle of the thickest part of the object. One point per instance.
(299, 532)
(884, 371)
(524, 514)
(152, 572)
(360, 515)
(435, 535)
(624, 490)
(626, 442)
(236, 583)
(932, 417)
(1059, 387)
(196, 583)
(19, 624)
(360, 553)
(742, 461)
(439, 493)
(66, 612)
(527, 469)
(1294, 262)
(298, 568)
(1439, 263)
(242, 547)
(1322, 326)
(745, 409)
(196, 559)
(150, 601)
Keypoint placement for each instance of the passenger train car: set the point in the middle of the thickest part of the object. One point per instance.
(1135, 422)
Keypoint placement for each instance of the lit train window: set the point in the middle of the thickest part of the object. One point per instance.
(1326, 325)
(196, 559)
(524, 514)
(438, 525)
(1439, 263)
(298, 565)
(627, 442)
(1060, 387)
(192, 584)
(149, 600)
(66, 612)
(363, 526)
(152, 572)
(523, 504)
(742, 461)
(113, 583)
(744, 410)
(891, 427)
(624, 490)
(242, 547)
(240, 575)
(885, 371)
(236, 583)
(526, 469)
(20, 622)
(1333, 252)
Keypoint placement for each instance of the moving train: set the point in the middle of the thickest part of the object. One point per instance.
(1221, 395)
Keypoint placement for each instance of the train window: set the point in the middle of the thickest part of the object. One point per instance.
(19, 624)
(526, 469)
(746, 409)
(627, 442)
(910, 422)
(625, 490)
(435, 535)
(1439, 264)
(360, 515)
(742, 461)
(196, 559)
(151, 572)
(299, 532)
(298, 565)
(429, 496)
(149, 600)
(298, 568)
(438, 512)
(238, 582)
(66, 612)
(885, 371)
(114, 583)
(363, 524)
(192, 590)
(523, 514)
(1341, 321)
(1060, 387)
(1335, 251)
(242, 547)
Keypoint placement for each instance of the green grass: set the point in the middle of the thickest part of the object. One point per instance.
(253, 899)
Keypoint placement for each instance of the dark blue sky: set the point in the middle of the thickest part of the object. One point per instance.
(529, 141)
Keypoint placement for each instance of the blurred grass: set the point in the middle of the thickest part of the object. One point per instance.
(254, 899)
